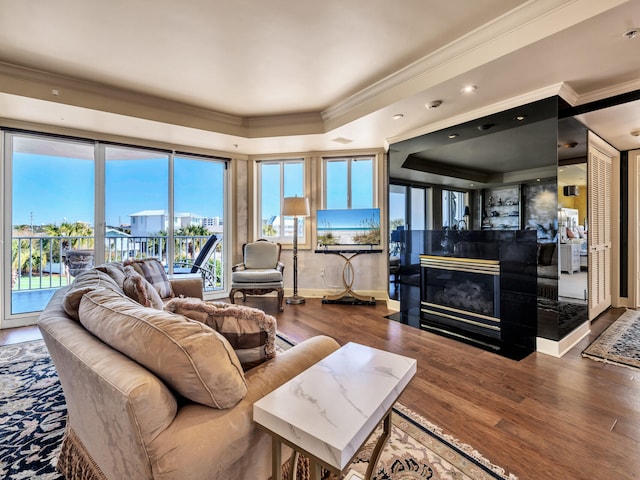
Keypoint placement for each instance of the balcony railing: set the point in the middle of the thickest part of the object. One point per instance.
(40, 262)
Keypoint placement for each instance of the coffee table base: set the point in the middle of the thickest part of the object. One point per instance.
(315, 465)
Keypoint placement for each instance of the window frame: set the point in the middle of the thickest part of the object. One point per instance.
(305, 235)
(350, 159)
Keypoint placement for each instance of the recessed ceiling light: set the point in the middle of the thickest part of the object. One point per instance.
(520, 118)
(472, 185)
(453, 135)
(342, 140)
(636, 133)
(434, 104)
(633, 33)
(469, 89)
(398, 116)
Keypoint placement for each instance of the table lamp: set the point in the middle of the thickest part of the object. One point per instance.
(295, 207)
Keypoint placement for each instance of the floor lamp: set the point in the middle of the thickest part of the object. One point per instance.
(295, 207)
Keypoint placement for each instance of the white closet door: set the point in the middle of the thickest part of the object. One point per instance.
(599, 166)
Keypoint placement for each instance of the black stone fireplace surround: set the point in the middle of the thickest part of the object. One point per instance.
(510, 308)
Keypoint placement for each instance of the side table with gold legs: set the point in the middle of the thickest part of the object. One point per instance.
(348, 296)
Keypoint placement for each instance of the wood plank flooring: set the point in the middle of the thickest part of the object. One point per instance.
(539, 418)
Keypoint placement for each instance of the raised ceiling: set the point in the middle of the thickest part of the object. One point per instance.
(250, 77)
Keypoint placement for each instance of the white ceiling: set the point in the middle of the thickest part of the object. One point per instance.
(254, 77)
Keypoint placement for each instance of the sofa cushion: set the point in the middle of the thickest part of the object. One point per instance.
(136, 287)
(250, 331)
(114, 269)
(83, 283)
(190, 357)
(151, 269)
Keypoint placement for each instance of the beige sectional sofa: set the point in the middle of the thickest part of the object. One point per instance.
(152, 394)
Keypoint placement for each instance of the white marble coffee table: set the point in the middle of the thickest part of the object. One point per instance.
(328, 411)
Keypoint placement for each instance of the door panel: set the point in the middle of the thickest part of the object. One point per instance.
(599, 166)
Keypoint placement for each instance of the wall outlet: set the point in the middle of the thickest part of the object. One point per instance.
(322, 272)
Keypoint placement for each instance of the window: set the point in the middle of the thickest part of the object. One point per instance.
(453, 204)
(278, 179)
(349, 182)
(73, 198)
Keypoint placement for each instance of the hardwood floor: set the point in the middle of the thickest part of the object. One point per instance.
(539, 418)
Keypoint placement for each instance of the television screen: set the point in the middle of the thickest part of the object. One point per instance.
(358, 226)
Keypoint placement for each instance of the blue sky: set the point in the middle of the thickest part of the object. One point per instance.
(51, 189)
(342, 219)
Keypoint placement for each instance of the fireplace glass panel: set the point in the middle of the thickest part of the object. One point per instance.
(467, 291)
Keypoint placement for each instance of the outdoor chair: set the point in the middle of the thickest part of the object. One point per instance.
(201, 263)
(260, 272)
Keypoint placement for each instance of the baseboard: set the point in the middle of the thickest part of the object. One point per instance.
(320, 293)
(393, 305)
(557, 348)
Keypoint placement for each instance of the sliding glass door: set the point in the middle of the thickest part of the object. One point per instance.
(49, 185)
(70, 204)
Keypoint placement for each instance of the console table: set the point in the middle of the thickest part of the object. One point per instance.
(329, 411)
(348, 296)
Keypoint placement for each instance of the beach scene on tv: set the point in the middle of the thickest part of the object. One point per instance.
(359, 226)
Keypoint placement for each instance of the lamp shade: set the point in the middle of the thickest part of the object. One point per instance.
(295, 207)
(466, 211)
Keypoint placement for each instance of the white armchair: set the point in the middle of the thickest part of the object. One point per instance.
(260, 272)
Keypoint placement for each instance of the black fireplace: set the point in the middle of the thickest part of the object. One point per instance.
(462, 293)
(483, 291)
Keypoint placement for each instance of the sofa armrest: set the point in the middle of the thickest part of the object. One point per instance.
(187, 285)
(235, 447)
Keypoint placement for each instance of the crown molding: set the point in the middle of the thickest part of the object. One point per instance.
(516, 29)
(608, 92)
(31, 83)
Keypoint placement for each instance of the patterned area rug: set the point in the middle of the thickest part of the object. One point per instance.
(32, 422)
(619, 343)
(32, 413)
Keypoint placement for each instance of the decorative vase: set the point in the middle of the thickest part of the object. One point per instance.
(78, 261)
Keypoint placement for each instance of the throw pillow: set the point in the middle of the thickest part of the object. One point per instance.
(250, 331)
(153, 271)
(114, 269)
(83, 283)
(136, 287)
(191, 358)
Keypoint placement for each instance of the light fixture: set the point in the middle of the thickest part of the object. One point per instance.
(520, 118)
(469, 89)
(295, 207)
(635, 133)
(454, 135)
(631, 34)
(398, 116)
(434, 104)
(571, 191)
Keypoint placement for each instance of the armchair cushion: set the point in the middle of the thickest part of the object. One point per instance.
(261, 255)
(263, 275)
(136, 287)
(250, 331)
(191, 358)
(151, 269)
